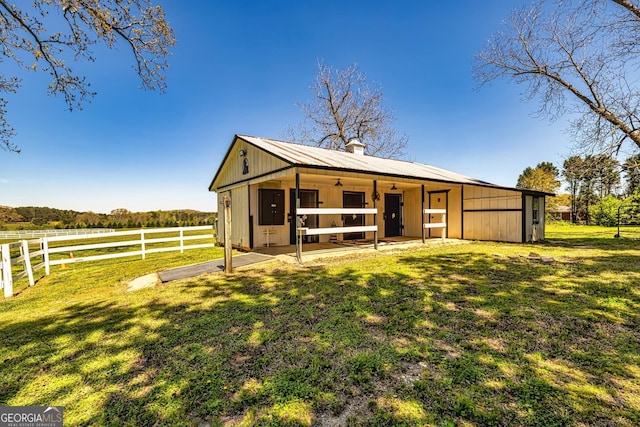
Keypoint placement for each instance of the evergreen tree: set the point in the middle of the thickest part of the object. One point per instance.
(631, 168)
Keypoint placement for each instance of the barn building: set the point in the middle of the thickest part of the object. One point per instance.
(352, 197)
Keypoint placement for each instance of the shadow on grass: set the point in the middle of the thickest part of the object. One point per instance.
(553, 343)
(404, 340)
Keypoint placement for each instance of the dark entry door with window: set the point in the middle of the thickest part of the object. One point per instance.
(353, 199)
(308, 199)
(392, 215)
(271, 207)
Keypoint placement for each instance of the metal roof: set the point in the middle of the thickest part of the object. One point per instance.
(305, 155)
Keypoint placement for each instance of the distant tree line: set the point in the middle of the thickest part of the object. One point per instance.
(45, 217)
(599, 187)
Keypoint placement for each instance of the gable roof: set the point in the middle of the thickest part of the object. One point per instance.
(322, 158)
(305, 155)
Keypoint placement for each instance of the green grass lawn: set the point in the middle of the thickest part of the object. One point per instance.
(459, 335)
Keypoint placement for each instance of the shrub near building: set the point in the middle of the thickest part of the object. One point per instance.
(605, 212)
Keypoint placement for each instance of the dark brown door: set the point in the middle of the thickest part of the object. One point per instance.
(392, 215)
(308, 199)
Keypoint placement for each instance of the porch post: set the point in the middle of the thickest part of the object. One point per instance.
(375, 215)
(422, 216)
(228, 260)
(297, 222)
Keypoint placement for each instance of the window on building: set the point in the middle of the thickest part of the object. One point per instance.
(536, 205)
(271, 206)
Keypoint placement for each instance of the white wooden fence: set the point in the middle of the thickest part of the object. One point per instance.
(44, 251)
(34, 234)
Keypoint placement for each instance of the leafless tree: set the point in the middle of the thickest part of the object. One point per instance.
(346, 106)
(579, 57)
(46, 35)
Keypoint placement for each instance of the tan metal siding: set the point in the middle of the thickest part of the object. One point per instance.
(412, 216)
(483, 198)
(492, 214)
(220, 218)
(259, 163)
(240, 217)
(494, 226)
(454, 214)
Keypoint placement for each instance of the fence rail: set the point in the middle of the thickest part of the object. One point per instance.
(32, 234)
(431, 225)
(19, 253)
(300, 212)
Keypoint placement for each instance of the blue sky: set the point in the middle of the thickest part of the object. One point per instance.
(240, 67)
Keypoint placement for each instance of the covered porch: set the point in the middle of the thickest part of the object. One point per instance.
(345, 209)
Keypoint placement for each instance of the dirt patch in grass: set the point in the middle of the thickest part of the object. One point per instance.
(143, 282)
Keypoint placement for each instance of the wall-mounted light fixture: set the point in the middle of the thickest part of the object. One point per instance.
(393, 187)
(242, 152)
(338, 184)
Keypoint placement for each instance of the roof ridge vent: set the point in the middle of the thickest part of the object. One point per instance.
(355, 147)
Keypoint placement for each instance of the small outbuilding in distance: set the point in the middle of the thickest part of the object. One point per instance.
(289, 194)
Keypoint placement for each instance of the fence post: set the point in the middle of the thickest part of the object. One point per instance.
(26, 261)
(181, 241)
(444, 229)
(45, 256)
(7, 277)
(142, 243)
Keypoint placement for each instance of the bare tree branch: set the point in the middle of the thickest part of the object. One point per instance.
(25, 39)
(344, 107)
(630, 6)
(574, 56)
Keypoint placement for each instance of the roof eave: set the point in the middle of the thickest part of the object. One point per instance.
(237, 137)
(224, 160)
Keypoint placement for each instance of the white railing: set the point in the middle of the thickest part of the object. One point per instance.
(334, 230)
(443, 220)
(7, 261)
(336, 211)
